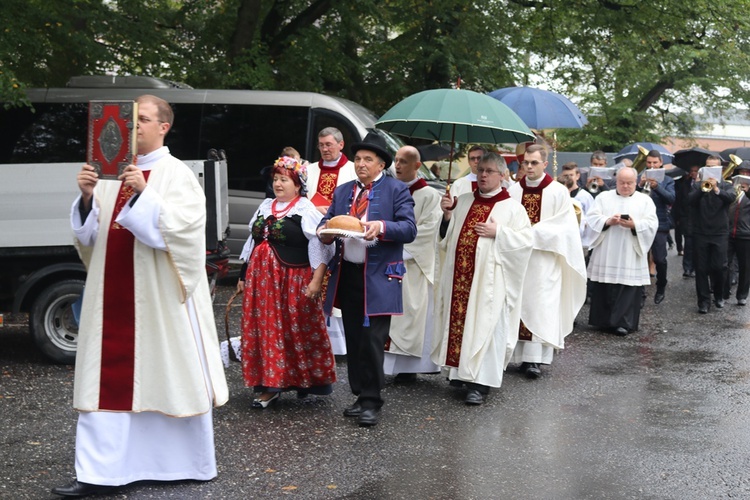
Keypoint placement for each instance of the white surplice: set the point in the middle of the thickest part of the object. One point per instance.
(619, 256)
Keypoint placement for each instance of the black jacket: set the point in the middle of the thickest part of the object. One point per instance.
(739, 219)
(709, 214)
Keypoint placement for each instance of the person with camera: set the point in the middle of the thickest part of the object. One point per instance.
(624, 223)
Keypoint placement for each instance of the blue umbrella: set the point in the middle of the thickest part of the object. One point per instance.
(541, 109)
(631, 151)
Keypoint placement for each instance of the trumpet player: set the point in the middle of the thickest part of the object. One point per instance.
(739, 236)
(663, 195)
(709, 203)
(595, 184)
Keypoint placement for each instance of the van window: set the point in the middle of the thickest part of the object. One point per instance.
(50, 133)
(322, 118)
(247, 133)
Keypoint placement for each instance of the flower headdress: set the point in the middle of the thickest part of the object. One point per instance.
(292, 167)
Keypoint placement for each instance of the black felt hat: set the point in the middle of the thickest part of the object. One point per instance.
(376, 143)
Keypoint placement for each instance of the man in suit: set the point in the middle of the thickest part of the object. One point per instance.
(366, 272)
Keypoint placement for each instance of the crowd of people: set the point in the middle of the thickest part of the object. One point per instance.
(347, 258)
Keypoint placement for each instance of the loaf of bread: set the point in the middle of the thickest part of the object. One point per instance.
(345, 223)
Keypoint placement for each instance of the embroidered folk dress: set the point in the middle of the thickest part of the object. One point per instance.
(285, 345)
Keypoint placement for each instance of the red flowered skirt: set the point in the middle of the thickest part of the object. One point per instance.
(285, 344)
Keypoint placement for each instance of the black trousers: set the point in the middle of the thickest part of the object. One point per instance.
(614, 306)
(365, 345)
(710, 262)
(659, 254)
(741, 249)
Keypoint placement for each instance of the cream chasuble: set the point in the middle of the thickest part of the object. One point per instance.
(488, 300)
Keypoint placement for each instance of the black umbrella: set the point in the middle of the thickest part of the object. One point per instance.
(687, 158)
(743, 153)
(433, 152)
(675, 172)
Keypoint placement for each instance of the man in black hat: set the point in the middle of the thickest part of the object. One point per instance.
(739, 236)
(366, 272)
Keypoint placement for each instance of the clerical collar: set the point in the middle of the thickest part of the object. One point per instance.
(535, 183)
(333, 163)
(471, 176)
(147, 161)
(376, 179)
(411, 182)
(491, 193)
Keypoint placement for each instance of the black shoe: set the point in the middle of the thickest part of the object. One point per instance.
(523, 367)
(474, 397)
(354, 410)
(533, 371)
(719, 303)
(405, 378)
(703, 308)
(621, 331)
(78, 489)
(741, 302)
(369, 417)
(658, 297)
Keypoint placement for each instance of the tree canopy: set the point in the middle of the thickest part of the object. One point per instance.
(638, 70)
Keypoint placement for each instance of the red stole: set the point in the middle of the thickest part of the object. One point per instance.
(532, 198)
(327, 182)
(417, 186)
(463, 271)
(118, 315)
(474, 186)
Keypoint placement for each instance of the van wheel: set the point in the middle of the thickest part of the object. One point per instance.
(53, 326)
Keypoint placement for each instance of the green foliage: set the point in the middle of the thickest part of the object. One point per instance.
(637, 69)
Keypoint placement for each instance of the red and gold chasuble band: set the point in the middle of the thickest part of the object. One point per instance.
(532, 198)
(532, 202)
(329, 178)
(463, 271)
(118, 314)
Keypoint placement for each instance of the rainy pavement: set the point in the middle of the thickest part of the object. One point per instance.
(662, 413)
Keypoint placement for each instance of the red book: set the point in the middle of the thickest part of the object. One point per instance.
(111, 144)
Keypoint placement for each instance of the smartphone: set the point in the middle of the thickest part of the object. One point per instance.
(625, 217)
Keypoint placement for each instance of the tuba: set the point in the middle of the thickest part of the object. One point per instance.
(640, 161)
(734, 162)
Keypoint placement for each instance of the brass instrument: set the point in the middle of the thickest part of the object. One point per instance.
(706, 186)
(593, 188)
(639, 164)
(734, 162)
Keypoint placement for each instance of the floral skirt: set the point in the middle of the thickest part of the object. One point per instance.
(285, 344)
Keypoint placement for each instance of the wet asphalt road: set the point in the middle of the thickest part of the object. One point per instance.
(662, 413)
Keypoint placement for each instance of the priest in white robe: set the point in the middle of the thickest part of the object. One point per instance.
(555, 286)
(409, 345)
(148, 369)
(323, 177)
(487, 243)
(624, 224)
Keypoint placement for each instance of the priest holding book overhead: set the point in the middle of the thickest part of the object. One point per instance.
(148, 369)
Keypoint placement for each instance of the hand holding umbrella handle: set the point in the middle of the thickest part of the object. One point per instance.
(447, 193)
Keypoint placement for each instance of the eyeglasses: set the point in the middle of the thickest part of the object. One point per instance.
(475, 158)
(488, 171)
(533, 163)
(146, 120)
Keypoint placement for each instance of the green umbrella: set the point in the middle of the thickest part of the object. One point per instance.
(455, 115)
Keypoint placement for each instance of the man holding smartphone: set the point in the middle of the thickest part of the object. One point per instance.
(624, 223)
